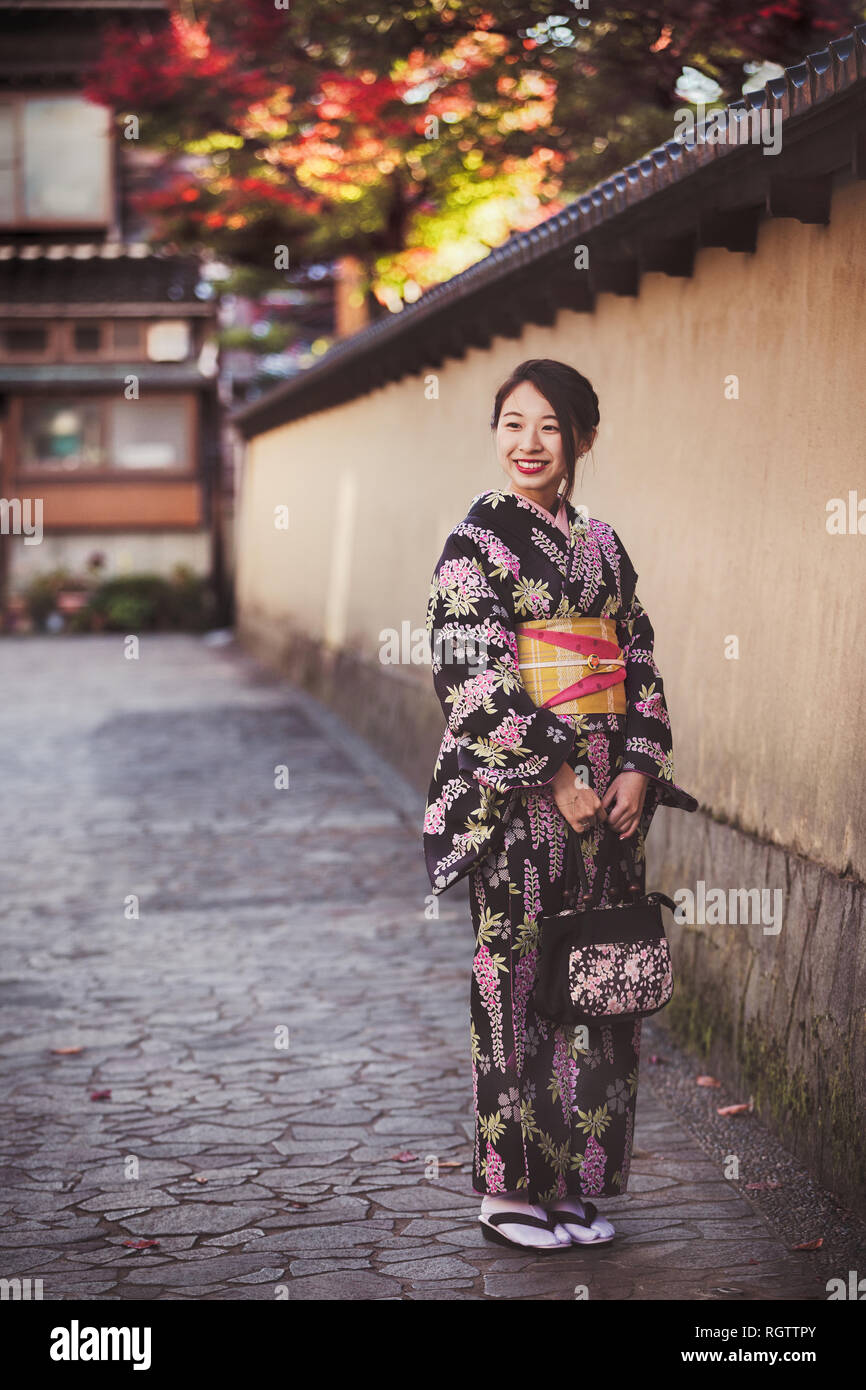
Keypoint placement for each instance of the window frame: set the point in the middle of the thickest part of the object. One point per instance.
(116, 354)
(70, 353)
(50, 352)
(60, 334)
(17, 100)
(109, 472)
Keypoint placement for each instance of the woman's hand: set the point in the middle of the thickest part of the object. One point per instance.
(576, 801)
(624, 800)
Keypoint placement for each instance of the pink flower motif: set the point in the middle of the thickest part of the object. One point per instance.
(592, 1168)
(509, 733)
(599, 760)
(486, 973)
(501, 555)
(495, 1170)
(462, 575)
(472, 695)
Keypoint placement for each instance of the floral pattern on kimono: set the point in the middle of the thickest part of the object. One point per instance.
(554, 1106)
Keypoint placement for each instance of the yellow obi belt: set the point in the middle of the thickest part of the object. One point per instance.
(574, 665)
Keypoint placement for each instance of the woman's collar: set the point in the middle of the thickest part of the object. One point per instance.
(555, 519)
(561, 523)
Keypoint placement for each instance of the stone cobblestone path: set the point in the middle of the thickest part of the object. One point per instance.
(266, 917)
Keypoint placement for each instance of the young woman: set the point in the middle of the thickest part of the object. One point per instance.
(554, 1106)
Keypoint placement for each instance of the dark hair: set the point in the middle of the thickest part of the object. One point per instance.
(571, 396)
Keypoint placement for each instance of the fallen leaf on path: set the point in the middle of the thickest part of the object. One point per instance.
(810, 1244)
(100, 1095)
(197, 1177)
(404, 1157)
(66, 1051)
(140, 1244)
(706, 1081)
(733, 1109)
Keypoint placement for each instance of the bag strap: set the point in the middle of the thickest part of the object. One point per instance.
(660, 898)
(577, 894)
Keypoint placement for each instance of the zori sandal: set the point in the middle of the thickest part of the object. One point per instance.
(490, 1220)
(580, 1228)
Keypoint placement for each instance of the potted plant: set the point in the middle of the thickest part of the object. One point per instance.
(15, 616)
(41, 595)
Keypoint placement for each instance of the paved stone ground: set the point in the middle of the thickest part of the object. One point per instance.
(267, 917)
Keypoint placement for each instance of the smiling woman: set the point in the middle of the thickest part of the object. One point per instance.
(554, 1105)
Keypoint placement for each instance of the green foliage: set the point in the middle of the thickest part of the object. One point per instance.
(41, 593)
(276, 338)
(150, 602)
(183, 602)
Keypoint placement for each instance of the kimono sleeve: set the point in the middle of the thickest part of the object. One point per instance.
(648, 738)
(503, 739)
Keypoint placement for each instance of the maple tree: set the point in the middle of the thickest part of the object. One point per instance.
(415, 136)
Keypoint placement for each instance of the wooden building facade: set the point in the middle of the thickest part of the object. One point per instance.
(109, 410)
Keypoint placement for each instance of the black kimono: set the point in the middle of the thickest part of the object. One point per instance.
(554, 1106)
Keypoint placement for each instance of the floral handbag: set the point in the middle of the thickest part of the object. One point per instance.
(600, 963)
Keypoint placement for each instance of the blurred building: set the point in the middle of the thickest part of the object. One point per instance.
(109, 409)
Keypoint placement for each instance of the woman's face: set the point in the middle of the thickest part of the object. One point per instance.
(529, 445)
